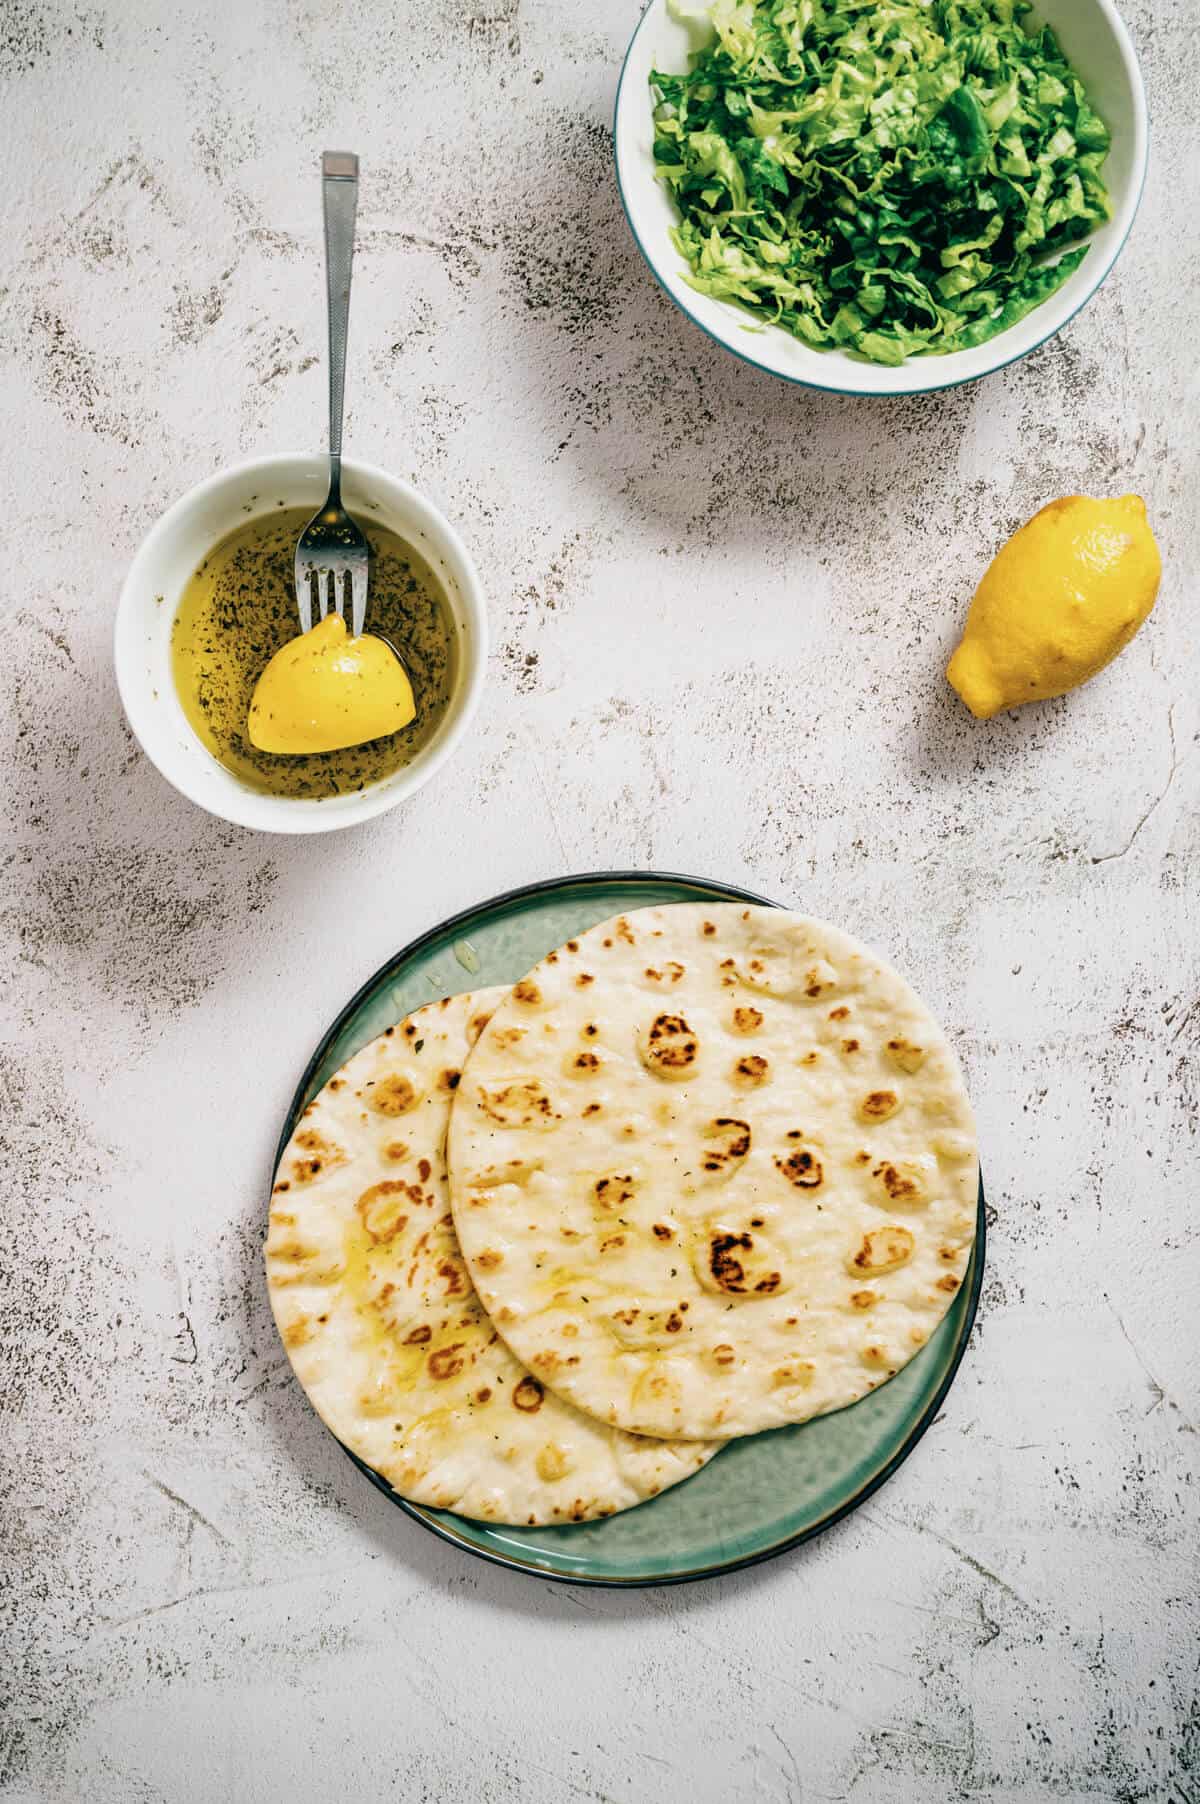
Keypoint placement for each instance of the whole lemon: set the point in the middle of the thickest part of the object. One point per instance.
(1057, 603)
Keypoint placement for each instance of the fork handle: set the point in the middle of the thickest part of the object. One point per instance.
(339, 185)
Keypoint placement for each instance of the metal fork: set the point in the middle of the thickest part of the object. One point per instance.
(332, 549)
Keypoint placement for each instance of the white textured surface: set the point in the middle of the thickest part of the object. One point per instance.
(721, 611)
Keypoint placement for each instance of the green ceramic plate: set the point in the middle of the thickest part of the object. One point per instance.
(761, 1494)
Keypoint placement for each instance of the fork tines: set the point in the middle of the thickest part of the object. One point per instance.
(341, 588)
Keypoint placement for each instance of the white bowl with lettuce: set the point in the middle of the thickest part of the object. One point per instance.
(887, 200)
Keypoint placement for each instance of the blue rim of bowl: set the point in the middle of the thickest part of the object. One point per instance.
(890, 394)
(585, 880)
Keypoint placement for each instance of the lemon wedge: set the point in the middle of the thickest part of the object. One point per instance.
(324, 690)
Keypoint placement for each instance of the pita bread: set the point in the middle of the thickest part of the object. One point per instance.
(381, 1324)
(713, 1170)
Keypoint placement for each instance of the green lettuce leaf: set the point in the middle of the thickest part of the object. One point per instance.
(891, 177)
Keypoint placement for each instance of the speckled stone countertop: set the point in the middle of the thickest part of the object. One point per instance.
(721, 609)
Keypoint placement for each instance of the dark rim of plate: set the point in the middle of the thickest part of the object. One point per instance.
(586, 880)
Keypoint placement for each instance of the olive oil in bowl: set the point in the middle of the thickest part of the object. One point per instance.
(239, 608)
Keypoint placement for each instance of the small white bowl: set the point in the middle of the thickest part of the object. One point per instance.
(179, 542)
(1098, 46)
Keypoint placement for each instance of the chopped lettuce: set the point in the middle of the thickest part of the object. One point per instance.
(890, 177)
